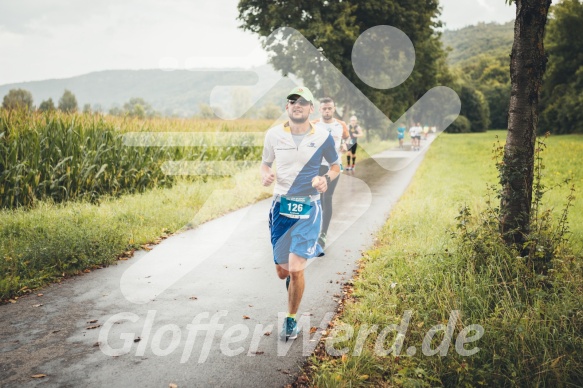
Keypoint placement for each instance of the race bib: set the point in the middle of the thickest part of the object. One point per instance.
(295, 206)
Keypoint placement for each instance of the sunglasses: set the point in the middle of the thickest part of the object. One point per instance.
(301, 101)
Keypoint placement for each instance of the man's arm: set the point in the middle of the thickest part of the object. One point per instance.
(334, 171)
(322, 184)
(267, 175)
(345, 136)
(345, 133)
(267, 159)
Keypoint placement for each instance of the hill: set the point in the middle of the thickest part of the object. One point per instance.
(178, 92)
(484, 38)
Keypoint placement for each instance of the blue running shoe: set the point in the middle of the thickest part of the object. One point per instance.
(290, 329)
(287, 280)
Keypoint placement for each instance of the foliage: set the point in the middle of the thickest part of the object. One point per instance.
(64, 157)
(333, 27)
(431, 263)
(46, 106)
(460, 125)
(270, 112)
(498, 98)
(54, 241)
(562, 94)
(205, 111)
(475, 108)
(139, 108)
(490, 75)
(489, 39)
(68, 102)
(17, 99)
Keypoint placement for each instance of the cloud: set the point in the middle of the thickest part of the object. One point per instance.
(460, 13)
(484, 4)
(29, 16)
(62, 38)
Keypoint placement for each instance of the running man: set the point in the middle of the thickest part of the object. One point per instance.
(295, 218)
(415, 133)
(355, 132)
(339, 132)
(401, 134)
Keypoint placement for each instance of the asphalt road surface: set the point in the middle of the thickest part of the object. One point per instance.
(197, 310)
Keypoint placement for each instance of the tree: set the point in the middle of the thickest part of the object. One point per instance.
(498, 98)
(68, 102)
(17, 99)
(205, 111)
(138, 107)
(97, 108)
(527, 66)
(489, 74)
(270, 112)
(47, 106)
(475, 108)
(87, 108)
(333, 27)
(562, 95)
(115, 111)
(460, 125)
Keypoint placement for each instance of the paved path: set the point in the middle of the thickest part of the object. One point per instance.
(200, 303)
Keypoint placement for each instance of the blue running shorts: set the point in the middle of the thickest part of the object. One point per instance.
(292, 235)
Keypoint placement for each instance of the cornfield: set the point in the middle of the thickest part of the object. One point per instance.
(62, 157)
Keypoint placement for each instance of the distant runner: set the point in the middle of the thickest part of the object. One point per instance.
(355, 132)
(401, 134)
(415, 133)
(339, 132)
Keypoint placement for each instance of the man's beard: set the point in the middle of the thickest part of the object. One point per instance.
(298, 121)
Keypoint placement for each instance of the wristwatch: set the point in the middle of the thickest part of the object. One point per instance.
(327, 179)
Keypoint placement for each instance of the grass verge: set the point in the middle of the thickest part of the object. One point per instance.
(431, 260)
(53, 241)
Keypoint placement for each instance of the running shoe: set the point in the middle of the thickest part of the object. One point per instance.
(287, 280)
(290, 329)
(353, 168)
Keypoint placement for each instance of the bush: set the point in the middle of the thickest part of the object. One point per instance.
(460, 125)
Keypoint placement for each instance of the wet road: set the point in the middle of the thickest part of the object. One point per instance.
(197, 309)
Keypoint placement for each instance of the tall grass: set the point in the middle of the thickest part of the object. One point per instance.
(52, 241)
(63, 157)
(440, 251)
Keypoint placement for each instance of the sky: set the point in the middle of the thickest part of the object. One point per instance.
(46, 39)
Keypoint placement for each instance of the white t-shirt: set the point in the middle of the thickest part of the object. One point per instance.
(415, 131)
(337, 130)
(297, 164)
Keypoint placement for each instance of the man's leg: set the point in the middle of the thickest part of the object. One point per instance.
(295, 270)
(282, 272)
(297, 265)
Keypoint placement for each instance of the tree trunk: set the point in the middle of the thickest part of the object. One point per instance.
(527, 66)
